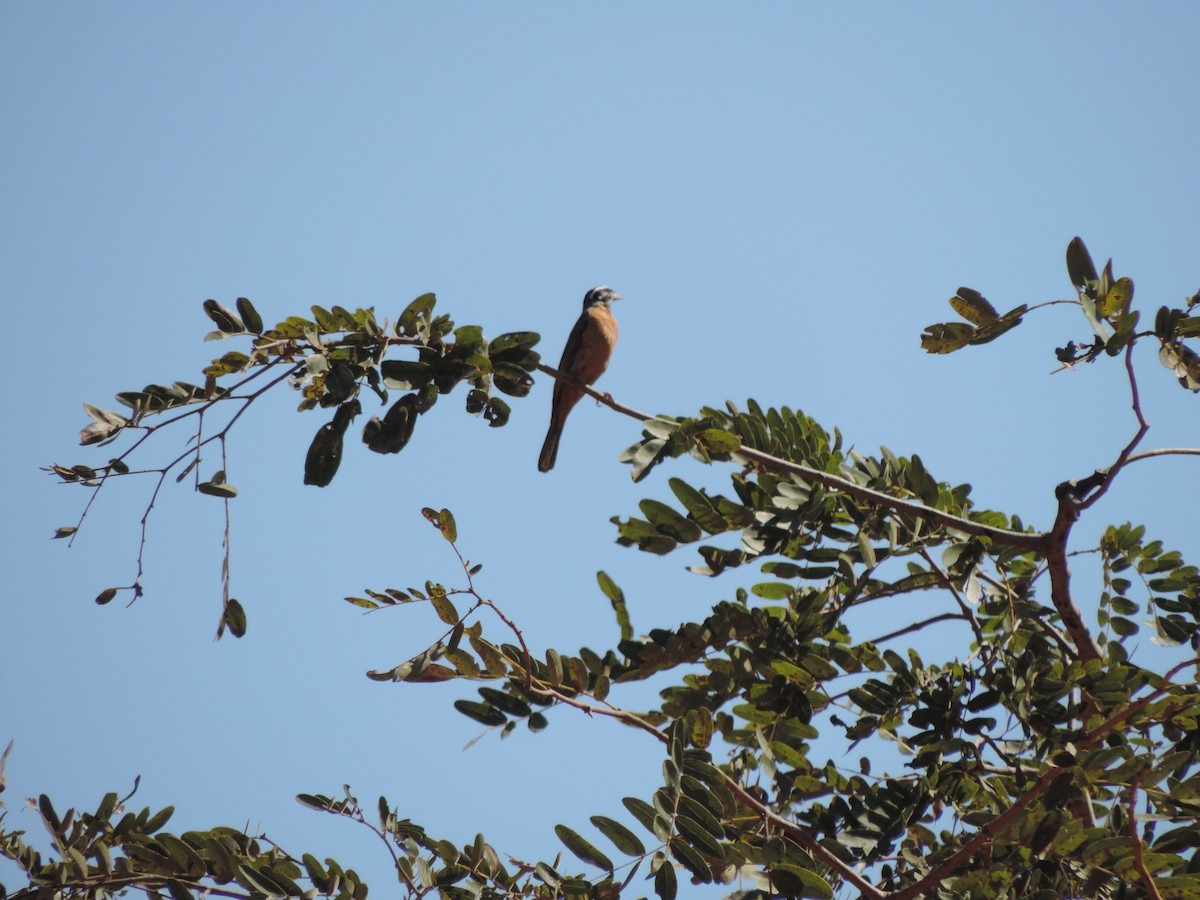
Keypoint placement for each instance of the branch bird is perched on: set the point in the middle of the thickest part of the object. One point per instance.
(588, 350)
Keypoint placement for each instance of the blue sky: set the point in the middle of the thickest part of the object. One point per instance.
(784, 193)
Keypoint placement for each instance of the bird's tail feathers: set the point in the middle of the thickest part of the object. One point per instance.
(549, 450)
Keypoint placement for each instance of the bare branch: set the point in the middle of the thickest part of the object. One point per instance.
(1162, 451)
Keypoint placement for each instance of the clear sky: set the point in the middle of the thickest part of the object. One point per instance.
(784, 193)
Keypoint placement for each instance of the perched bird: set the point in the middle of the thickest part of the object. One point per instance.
(588, 350)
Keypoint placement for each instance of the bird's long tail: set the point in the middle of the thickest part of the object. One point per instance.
(550, 448)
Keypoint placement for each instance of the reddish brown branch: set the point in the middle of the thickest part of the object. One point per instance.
(1139, 861)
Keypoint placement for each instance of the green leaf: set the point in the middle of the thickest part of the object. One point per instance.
(623, 839)
(582, 848)
(234, 618)
(324, 456)
(772, 590)
(443, 521)
(64, 531)
(159, 819)
(508, 703)
(481, 712)
(512, 379)
(105, 596)
(699, 506)
(217, 489)
(319, 802)
(512, 344)
(548, 875)
(665, 883)
(797, 882)
(718, 441)
(669, 522)
(1080, 267)
(252, 320)
(444, 608)
(1122, 626)
(617, 598)
(641, 810)
(404, 375)
(316, 873)
(468, 334)
(46, 808)
(224, 318)
(698, 836)
(691, 858)
(258, 881)
(392, 433)
(496, 412)
(420, 309)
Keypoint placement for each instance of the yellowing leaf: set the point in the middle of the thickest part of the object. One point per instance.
(1116, 302)
(973, 307)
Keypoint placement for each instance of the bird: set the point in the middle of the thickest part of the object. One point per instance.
(586, 356)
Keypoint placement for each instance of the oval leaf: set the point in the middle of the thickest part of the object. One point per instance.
(582, 848)
(623, 839)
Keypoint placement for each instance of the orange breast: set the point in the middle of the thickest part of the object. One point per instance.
(599, 339)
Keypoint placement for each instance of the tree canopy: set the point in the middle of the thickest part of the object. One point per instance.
(1047, 754)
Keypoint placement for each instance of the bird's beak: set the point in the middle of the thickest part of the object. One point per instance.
(616, 296)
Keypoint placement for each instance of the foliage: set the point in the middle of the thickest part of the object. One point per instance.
(1046, 762)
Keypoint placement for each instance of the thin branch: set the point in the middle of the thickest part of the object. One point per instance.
(1017, 539)
(1143, 427)
(1074, 498)
(612, 712)
(527, 659)
(967, 612)
(801, 836)
(1162, 451)
(1139, 861)
(362, 820)
(114, 884)
(917, 626)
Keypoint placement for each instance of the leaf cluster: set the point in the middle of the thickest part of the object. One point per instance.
(111, 850)
(1035, 749)
(1106, 303)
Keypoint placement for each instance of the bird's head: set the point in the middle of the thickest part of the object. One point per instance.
(600, 296)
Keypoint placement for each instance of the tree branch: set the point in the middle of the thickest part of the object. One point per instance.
(1139, 861)
(1019, 540)
(995, 827)
(1162, 451)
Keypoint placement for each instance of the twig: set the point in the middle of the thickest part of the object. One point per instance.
(1139, 861)
(1162, 451)
(949, 585)
(612, 712)
(801, 836)
(917, 626)
(362, 820)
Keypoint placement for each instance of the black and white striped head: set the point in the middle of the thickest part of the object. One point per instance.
(600, 296)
